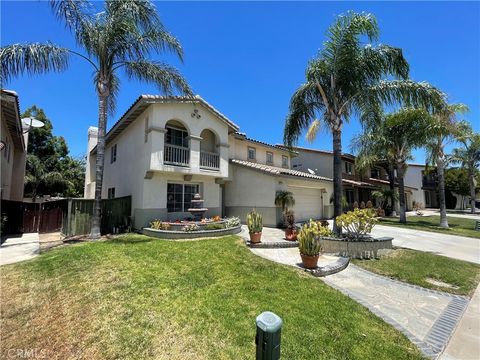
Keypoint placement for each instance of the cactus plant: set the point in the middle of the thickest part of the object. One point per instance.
(309, 244)
(255, 226)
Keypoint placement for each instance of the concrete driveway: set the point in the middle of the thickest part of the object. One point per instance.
(18, 248)
(456, 247)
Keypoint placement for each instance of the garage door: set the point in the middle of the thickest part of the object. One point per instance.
(308, 203)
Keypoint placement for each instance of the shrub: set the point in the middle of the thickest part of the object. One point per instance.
(358, 222)
(290, 219)
(159, 225)
(254, 222)
(362, 205)
(232, 222)
(308, 242)
(380, 212)
(319, 228)
(216, 218)
(191, 227)
(369, 204)
(214, 227)
(355, 204)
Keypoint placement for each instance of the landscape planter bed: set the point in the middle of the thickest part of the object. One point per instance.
(180, 234)
(178, 226)
(366, 248)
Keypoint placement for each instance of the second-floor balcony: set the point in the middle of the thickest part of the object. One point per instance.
(209, 160)
(176, 155)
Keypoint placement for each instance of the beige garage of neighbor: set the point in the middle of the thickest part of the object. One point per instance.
(308, 202)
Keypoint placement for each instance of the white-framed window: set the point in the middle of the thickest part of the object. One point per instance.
(176, 136)
(252, 153)
(284, 161)
(179, 196)
(113, 154)
(270, 157)
(111, 193)
(348, 168)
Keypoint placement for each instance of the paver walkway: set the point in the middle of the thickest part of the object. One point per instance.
(427, 317)
(19, 248)
(456, 247)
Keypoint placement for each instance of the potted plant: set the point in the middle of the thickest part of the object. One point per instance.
(255, 226)
(309, 246)
(290, 228)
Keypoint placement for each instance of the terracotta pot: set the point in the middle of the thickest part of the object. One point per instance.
(309, 261)
(291, 234)
(255, 237)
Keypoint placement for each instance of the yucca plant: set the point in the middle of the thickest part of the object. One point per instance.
(254, 222)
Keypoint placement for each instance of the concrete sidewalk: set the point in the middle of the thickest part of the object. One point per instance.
(456, 247)
(19, 248)
(465, 342)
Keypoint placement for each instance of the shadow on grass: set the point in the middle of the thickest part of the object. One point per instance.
(131, 239)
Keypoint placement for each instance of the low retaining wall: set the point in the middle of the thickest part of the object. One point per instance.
(176, 235)
(367, 249)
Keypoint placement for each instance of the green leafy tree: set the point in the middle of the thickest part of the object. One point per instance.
(469, 157)
(55, 159)
(348, 78)
(121, 36)
(446, 128)
(400, 133)
(457, 181)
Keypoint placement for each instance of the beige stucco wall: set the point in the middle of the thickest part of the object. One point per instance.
(321, 163)
(239, 150)
(12, 167)
(413, 178)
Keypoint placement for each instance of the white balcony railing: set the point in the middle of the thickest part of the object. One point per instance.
(176, 155)
(209, 160)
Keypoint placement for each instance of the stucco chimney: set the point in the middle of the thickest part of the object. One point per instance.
(90, 165)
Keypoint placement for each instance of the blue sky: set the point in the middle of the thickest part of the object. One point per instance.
(247, 58)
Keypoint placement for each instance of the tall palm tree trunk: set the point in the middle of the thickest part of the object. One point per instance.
(441, 192)
(471, 181)
(401, 192)
(99, 164)
(391, 181)
(337, 177)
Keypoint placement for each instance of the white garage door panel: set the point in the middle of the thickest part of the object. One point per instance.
(308, 203)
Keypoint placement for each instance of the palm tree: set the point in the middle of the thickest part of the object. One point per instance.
(284, 199)
(446, 128)
(469, 157)
(121, 36)
(399, 133)
(347, 78)
(37, 177)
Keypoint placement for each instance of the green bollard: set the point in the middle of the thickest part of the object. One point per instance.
(269, 326)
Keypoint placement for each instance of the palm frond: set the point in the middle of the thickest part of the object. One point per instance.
(36, 58)
(76, 14)
(166, 77)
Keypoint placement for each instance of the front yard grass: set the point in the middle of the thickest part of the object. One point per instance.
(457, 226)
(136, 297)
(415, 267)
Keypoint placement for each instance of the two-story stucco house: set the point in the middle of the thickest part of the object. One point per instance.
(13, 148)
(358, 187)
(163, 150)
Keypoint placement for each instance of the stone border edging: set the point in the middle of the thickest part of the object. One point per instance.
(330, 269)
(437, 338)
(272, 244)
(177, 235)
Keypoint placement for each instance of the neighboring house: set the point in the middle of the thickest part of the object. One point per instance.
(163, 150)
(13, 148)
(357, 187)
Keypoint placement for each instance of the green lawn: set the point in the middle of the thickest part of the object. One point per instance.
(458, 226)
(415, 267)
(141, 298)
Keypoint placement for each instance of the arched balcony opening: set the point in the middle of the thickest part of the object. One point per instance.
(177, 144)
(209, 157)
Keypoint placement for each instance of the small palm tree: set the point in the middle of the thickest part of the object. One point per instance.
(121, 36)
(446, 129)
(348, 78)
(285, 200)
(400, 133)
(469, 157)
(37, 177)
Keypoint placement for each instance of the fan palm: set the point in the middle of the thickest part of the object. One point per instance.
(446, 128)
(469, 157)
(399, 133)
(121, 36)
(347, 78)
(284, 199)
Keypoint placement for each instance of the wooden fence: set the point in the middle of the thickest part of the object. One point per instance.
(70, 216)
